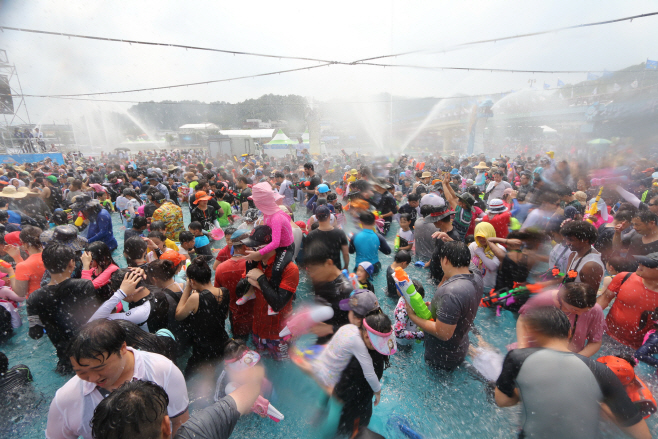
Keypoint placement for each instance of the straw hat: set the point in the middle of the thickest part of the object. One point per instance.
(482, 165)
(25, 190)
(426, 174)
(11, 192)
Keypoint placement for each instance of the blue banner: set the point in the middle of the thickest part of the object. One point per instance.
(56, 157)
(651, 65)
(560, 83)
(546, 86)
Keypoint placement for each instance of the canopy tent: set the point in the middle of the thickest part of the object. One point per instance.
(280, 139)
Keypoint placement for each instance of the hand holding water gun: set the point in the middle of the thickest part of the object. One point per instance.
(411, 296)
(261, 407)
(80, 219)
(501, 296)
(301, 323)
(352, 278)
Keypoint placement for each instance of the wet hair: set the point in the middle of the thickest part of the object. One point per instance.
(402, 256)
(136, 409)
(457, 254)
(413, 197)
(420, 289)
(4, 215)
(321, 202)
(139, 222)
(194, 225)
(118, 276)
(580, 295)
(161, 269)
(60, 218)
(426, 210)
(199, 271)
(185, 236)
(31, 235)
(331, 196)
(243, 179)
(279, 174)
(101, 253)
(316, 253)
(157, 235)
(315, 225)
(406, 216)
(309, 165)
(624, 215)
(101, 337)
(158, 225)
(133, 249)
(56, 257)
(549, 321)
(367, 218)
(646, 216)
(234, 348)
(4, 363)
(621, 264)
(581, 230)
(137, 338)
(229, 231)
(646, 317)
(338, 207)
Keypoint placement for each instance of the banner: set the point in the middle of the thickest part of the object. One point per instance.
(56, 157)
(651, 65)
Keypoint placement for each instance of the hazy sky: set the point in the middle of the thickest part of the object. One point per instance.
(337, 30)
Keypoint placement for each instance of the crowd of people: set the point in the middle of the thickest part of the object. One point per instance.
(570, 250)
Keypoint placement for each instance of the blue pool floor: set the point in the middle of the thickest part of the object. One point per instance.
(436, 404)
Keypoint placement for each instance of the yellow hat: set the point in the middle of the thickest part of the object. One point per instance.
(353, 172)
(551, 154)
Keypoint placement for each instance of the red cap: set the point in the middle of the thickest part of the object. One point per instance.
(13, 239)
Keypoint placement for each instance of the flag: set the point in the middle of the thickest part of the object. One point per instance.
(592, 77)
(616, 87)
(560, 84)
(651, 65)
(594, 92)
(546, 86)
(634, 84)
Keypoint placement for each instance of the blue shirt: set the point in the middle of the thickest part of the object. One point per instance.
(367, 244)
(136, 185)
(201, 241)
(100, 229)
(14, 217)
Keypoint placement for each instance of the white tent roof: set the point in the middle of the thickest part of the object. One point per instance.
(199, 126)
(254, 134)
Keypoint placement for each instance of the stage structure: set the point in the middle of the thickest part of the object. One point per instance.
(12, 103)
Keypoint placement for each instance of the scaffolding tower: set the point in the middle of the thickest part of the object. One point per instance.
(12, 101)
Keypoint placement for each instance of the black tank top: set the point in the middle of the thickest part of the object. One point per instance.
(207, 324)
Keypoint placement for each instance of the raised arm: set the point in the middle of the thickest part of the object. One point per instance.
(449, 193)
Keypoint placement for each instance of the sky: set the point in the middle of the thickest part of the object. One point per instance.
(339, 31)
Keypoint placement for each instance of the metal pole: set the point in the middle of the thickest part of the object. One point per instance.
(22, 97)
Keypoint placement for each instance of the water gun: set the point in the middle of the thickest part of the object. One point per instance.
(300, 323)
(261, 407)
(396, 243)
(420, 264)
(411, 296)
(594, 207)
(501, 296)
(352, 278)
(5, 264)
(80, 219)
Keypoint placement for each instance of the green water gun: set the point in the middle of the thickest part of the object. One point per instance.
(396, 242)
(411, 296)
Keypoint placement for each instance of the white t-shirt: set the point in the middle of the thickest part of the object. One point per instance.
(73, 405)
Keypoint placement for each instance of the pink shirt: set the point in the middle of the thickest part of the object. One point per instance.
(281, 232)
(590, 326)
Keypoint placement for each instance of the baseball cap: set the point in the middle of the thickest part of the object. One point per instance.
(370, 269)
(13, 238)
(361, 301)
(322, 213)
(52, 179)
(432, 200)
(261, 235)
(173, 256)
(239, 235)
(323, 188)
(383, 342)
(649, 261)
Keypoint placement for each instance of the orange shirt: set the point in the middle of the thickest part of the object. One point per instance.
(31, 270)
(624, 317)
